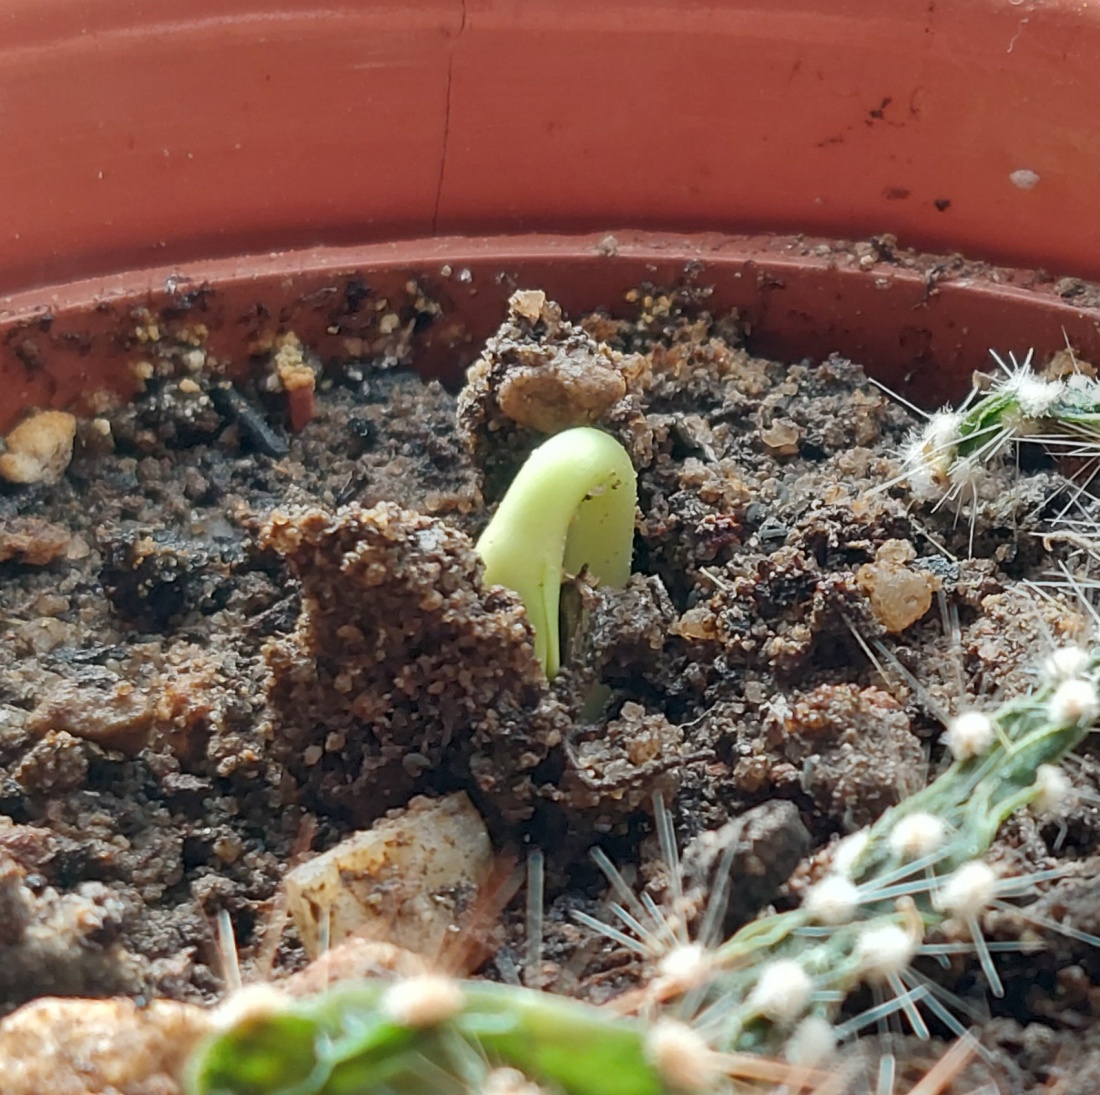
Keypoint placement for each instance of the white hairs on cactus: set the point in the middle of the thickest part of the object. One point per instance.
(682, 1057)
(683, 968)
(884, 952)
(812, 1043)
(847, 853)
(967, 891)
(782, 991)
(917, 836)
(969, 734)
(1065, 663)
(930, 453)
(1029, 396)
(423, 1001)
(1053, 791)
(1075, 703)
(833, 900)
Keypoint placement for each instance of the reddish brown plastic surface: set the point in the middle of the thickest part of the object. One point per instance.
(918, 324)
(136, 133)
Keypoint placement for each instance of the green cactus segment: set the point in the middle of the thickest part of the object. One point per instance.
(986, 418)
(972, 799)
(342, 1043)
(1027, 406)
(975, 797)
(260, 1056)
(581, 1049)
(571, 506)
(943, 457)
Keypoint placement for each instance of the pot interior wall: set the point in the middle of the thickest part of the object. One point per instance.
(920, 323)
(140, 134)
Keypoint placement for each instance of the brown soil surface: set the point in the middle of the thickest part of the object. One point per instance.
(227, 645)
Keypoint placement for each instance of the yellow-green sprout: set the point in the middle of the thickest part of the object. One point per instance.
(571, 506)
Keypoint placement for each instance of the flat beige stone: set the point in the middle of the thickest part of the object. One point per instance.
(404, 881)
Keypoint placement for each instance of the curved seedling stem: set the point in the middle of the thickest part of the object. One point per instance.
(571, 506)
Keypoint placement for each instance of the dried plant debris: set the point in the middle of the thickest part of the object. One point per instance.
(246, 621)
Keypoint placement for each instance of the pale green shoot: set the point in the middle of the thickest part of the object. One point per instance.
(571, 506)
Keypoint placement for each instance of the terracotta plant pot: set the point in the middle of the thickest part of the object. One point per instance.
(253, 167)
(252, 160)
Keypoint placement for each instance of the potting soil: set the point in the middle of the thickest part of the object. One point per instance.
(198, 688)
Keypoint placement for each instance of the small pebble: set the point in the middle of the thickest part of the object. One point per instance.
(899, 595)
(32, 541)
(39, 448)
(782, 437)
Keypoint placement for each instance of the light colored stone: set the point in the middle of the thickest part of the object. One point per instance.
(899, 595)
(528, 303)
(39, 449)
(71, 1046)
(121, 718)
(561, 393)
(405, 881)
(781, 437)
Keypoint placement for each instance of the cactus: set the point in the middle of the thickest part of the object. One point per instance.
(352, 1039)
(947, 459)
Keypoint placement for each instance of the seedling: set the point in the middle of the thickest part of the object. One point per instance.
(571, 507)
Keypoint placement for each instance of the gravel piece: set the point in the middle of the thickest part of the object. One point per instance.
(39, 449)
